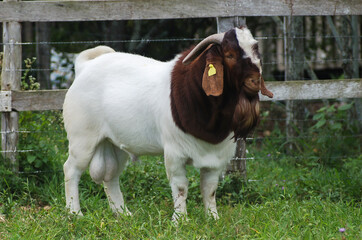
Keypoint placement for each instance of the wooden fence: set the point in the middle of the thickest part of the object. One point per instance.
(42, 100)
(12, 12)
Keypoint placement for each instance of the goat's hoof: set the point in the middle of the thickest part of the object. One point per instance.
(178, 216)
(76, 213)
(214, 215)
(123, 212)
(127, 213)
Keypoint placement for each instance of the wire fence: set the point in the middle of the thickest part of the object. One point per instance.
(250, 140)
(61, 75)
(235, 158)
(65, 70)
(256, 138)
(277, 63)
(312, 60)
(147, 40)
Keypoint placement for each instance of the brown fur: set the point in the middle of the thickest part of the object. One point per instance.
(246, 115)
(213, 118)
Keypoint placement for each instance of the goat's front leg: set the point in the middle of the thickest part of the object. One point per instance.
(209, 182)
(176, 174)
(115, 197)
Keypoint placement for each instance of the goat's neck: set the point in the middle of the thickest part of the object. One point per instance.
(206, 117)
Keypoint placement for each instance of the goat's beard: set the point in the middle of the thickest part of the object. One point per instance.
(246, 115)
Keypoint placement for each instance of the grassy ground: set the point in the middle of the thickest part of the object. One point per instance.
(285, 219)
(287, 201)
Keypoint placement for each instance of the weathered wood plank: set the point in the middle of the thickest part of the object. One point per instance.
(292, 90)
(38, 100)
(10, 80)
(310, 90)
(5, 101)
(39, 11)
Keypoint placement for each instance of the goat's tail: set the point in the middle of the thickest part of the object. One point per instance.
(90, 54)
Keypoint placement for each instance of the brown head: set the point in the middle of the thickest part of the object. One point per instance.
(214, 90)
(239, 53)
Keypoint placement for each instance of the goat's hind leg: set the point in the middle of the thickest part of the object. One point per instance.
(80, 154)
(115, 161)
(72, 174)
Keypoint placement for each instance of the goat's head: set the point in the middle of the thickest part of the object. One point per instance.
(236, 57)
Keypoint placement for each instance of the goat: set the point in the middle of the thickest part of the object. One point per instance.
(189, 109)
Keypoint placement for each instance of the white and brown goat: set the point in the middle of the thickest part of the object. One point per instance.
(189, 109)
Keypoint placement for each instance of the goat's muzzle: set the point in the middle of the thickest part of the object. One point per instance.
(252, 86)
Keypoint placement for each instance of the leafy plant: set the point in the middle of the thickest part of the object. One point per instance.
(330, 116)
(334, 132)
(28, 82)
(42, 135)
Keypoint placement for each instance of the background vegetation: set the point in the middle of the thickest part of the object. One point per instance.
(310, 192)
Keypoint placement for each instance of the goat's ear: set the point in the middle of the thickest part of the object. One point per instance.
(264, 90)
(213, 78)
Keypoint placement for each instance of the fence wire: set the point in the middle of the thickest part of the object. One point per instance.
(165, 40)
(249, 139)
(147, 40)
(235, 158)
(64, 70)
(61, 70)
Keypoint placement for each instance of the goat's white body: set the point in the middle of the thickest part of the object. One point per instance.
(120, 103)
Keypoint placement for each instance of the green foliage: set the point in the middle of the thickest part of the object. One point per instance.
(333, 114)
(145, 178)
(44, 135)
(334, 132)
(28, 81)
(233, 189)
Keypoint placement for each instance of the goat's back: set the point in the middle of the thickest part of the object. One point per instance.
(121, 97)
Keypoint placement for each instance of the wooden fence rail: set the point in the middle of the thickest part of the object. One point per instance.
(43, 100)
(39, 11)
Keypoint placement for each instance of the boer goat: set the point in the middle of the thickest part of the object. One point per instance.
(191, 109)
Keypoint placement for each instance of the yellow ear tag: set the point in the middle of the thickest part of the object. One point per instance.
(212, 70)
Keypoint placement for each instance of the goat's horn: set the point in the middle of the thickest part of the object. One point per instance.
(215, 38)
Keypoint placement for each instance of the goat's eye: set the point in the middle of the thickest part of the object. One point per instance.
(230, 56)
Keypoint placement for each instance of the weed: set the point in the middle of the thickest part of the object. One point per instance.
(334, 136)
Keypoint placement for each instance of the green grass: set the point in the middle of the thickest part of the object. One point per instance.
(283, 219)
(287, 202)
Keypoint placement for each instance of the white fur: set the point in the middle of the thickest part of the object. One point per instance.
(119, 104)
(246, 41)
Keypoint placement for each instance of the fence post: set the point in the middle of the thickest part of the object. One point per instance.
(226, 23)
(349, 50)
(10, 80)
(356, 55)
(238, 164)
(294, 70)
(43, 53)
